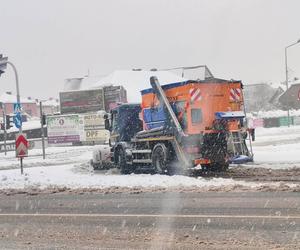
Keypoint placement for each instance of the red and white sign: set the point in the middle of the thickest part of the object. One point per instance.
(235, 95)
(195, 94)
(21, 145)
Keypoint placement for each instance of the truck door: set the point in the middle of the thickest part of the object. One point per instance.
(114, 136)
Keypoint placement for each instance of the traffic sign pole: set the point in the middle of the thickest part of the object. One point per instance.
(21, 148)
(18, 101)
(21, 165)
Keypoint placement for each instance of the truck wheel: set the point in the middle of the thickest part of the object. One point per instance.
(121, 160)
(160, 158)
(225, 166)
(220, 167)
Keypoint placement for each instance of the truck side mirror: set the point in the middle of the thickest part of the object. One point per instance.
(107, 123)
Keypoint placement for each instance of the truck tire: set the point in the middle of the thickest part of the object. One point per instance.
(160, 158)
(219, 167)
(224, 166)
(121, 161)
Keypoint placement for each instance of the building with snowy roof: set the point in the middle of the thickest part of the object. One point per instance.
(50, 106)
(291, 98)
(136, 80)
(29, 105)
(261, 96)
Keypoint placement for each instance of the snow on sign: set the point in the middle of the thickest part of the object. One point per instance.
(21, 145)
(63, 129)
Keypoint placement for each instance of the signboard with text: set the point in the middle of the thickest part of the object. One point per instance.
(76, 128)
(63, 129)
(93, 128)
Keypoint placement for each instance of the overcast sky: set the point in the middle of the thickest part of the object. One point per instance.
(50, 40)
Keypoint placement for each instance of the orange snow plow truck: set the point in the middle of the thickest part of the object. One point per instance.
(180, 127)
(211, 115)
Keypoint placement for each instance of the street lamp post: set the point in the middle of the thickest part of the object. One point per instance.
(287, 76)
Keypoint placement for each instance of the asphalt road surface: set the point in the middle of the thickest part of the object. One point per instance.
(232, 220)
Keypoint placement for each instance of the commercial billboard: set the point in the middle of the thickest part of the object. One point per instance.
(93, 128)
(81, 101)
(63, 129)
(76, 128)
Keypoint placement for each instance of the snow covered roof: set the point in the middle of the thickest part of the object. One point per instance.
(80, 83)
(136, 80)
(8, 98)
(51, 102)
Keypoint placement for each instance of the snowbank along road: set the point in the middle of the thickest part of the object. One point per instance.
(276, 167)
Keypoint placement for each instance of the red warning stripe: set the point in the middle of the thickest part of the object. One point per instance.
(195, 94)
(21, 139)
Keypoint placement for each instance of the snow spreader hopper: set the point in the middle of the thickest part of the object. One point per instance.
(179, 127)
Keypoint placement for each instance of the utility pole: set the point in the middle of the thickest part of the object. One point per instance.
(42, 129)
(287, 76)
(4, 127)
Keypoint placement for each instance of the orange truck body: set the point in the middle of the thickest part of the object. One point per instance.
(210, 96)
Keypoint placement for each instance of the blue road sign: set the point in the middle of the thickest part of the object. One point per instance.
(17, 107)
(18, 120)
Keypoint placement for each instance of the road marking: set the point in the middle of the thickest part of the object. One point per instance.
(158, 216)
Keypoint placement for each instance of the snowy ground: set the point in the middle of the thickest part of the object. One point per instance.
(277, 147)
(68, 167)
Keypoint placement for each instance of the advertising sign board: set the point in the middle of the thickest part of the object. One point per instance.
(96, 135)
(93, 128)
(63, 129)
(81, 101)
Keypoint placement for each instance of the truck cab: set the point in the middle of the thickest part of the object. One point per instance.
(124, 123)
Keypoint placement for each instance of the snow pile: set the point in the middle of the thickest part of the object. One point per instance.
(278, 147)
(54, 156)
(68, 167)
(67, 177)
